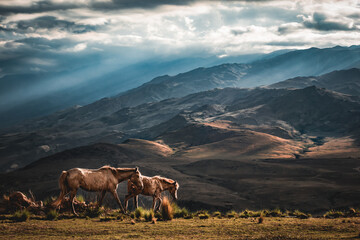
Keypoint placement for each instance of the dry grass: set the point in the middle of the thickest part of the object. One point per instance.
(211, 228)
(166, 209)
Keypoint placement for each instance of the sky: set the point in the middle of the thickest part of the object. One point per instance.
(84, 38)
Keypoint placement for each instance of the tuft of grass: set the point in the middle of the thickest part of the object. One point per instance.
(80, 198)
(49, 200)
(190, 216)
(179, 212)
(149, 215)
(261, 219)
(139, 213)
(93, 212)
(203, 215)
(107, 219)
(21, 216)
(217, 214)
(231, 214)
(52, 215)
(275, 213)
(334, 214)
(248, 213)
(166, 210)
(299, 214)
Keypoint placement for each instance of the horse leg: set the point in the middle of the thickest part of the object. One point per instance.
(127, 197)
(117, 199)
(103, 192)
(160, 202)
(154, 203)
(72, 196)
(136, 201)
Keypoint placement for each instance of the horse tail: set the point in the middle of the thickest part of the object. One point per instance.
(63, 188)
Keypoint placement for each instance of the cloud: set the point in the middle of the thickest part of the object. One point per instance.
(320, 21)
(46, 23)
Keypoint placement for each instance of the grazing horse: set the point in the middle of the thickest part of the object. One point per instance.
(153, 186)
(96, 180)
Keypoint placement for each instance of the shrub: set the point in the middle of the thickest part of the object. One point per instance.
(139, 213)
(181, 213)
(299, 214)
(247, 213)
(190, 216)
(276, 213)
(166, 209)
(231, 214)
(21, 216)
(334, 214)
(149, 215)
(217, 214)
(93, 211)
(52, 215)
(204, 215)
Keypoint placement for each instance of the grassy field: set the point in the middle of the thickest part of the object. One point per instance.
(211, 228)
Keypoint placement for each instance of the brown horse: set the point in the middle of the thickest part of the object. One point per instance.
(153, 186)
(96, 180)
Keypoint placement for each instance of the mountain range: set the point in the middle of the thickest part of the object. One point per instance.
(208, 131)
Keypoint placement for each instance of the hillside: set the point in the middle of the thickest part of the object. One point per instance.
(290, 114)
(343, 81)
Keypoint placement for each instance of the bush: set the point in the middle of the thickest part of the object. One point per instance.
(275, 213)
(204, 215)
(217, 214)
(166, 209)
(139, 213)
(181, 213)
(21, 216)
(334, 214)
(52, 215)
(247, 213)
(299, 214)
(231, 214)
(149, 215)
(93, 211)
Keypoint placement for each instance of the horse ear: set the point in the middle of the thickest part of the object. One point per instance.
(136, 169)
(175, 182)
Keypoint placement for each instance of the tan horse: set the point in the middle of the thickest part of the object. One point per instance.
(96, 180)
(153, 186)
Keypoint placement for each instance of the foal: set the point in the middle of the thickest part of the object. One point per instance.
(153, 186)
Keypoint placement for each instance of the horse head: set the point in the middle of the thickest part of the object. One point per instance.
(136, 179)
(173, 189)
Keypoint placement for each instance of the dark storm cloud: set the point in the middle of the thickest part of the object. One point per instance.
(37, 7)
(47, 6)
(320, 22)
(48, 22)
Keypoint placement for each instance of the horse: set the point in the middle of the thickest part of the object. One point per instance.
(101, 180)
(153, 186)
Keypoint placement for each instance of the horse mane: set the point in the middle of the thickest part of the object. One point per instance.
(164, 179)
(106, 167)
